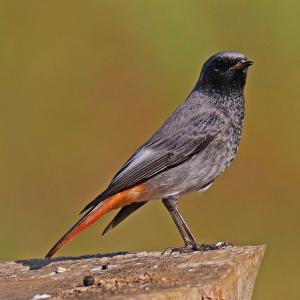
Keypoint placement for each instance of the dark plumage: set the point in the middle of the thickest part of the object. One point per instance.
(195, 145)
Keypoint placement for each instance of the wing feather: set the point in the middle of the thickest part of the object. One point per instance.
(160, 154)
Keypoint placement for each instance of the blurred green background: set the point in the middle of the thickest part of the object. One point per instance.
(84, 83)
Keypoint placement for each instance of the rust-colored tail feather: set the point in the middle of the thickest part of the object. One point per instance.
(88, 219)
(118, 200)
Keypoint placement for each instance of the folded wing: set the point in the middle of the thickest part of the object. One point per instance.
(162, 153)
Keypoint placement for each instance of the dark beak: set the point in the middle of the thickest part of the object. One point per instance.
(243, 64)
(247, 63)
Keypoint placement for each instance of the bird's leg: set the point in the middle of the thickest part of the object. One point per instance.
(190, 243)
(188, 238)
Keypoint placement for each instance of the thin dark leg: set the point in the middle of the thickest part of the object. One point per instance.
(188, 238)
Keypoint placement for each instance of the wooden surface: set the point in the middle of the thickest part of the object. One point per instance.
(219, 274)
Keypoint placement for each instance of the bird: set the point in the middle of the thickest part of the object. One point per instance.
(186, 154)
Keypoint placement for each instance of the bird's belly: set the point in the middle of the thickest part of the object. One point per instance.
(192, 175)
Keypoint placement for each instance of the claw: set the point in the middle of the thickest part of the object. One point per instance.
(217, 246)
(186, 249)
(196, 247)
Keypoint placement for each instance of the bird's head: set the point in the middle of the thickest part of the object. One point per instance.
(224, 70)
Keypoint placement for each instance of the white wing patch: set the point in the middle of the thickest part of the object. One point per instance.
(140, 156)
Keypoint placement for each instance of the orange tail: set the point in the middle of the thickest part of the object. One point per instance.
(118, 200)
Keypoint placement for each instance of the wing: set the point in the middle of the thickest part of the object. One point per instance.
(162, 153)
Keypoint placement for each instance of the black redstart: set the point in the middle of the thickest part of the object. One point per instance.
(195, 145)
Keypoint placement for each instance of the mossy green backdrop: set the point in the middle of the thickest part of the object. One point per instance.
(84, 83)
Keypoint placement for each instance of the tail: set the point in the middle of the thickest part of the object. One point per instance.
(118, 200)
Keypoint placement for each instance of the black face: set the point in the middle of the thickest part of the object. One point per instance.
(225, 70)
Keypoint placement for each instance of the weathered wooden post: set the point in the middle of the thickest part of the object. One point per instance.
(212, 275)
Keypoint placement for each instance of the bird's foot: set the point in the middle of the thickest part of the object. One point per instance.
(208, 247)
(196, 247)
(186, 249)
